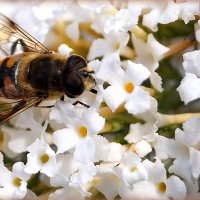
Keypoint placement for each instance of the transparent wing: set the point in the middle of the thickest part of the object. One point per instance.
(12, 103)
(10, 109)
(10, 32)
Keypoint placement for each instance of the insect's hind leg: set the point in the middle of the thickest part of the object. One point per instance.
(81, 103)
(22, 43)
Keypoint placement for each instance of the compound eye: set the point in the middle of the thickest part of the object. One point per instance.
(73, 84)
(74, 63)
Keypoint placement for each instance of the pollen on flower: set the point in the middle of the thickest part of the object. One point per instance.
(17, 182)
(129, 87)
(117, 46)
(82, 131)
(133, 169)
(44, 158)
(161, 187)
(112, 11)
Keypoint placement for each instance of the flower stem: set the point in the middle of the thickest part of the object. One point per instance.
(165, 120)
(180, 46)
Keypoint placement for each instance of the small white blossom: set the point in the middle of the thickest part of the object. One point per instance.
(65, 167)
(149, 53)
(142, 148)
(197, 30)
(125, 86)
(102, 14)
(184, 149)
(21, 137)
(69, 192)
(81, 132)
(109, 183)
(13, 184)
(145, 131)
(40, 158)
(111, 45)
(132, 169)
(64, 49)
(188, 89)
(172, 187)
(123, 20)
(76, 14)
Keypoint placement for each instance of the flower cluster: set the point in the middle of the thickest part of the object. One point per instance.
(133, 140)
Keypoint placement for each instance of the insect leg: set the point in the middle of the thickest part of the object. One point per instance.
(51, 106)
(14, 45)
(93, 91)
(79, 102)
(62, 98)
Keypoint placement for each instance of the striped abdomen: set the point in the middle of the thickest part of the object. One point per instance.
(8, 67)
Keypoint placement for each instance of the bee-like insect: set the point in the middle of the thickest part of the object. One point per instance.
(30, 73)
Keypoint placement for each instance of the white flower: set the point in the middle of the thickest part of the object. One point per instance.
(132, 169)
(81, 132)
(164, 12)
(155, 12)
(188, 10)
(13, 185)
(184, 149)
(109, 182)
(102, 14)
(142, 148)
(172, 187)
(63, 170)
(19, 136)
(188, 88)
(191, 62)
(69, 192)
(123, 20)
(76, 14)
(197, 30)
(76, 187)
(125, 86)
(64, 49)
(144, 131)
(41, 158)
(82, 177)
(111, 45)
(35, 27)
(149, 53)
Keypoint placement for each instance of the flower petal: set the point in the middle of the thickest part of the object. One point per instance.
(114, 96)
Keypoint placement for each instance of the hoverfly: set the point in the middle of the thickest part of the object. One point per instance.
(30, 73)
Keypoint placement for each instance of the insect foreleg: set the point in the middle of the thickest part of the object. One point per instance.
(79, 102)
(22, 43)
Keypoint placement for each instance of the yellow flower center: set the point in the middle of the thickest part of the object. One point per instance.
(117, 46)
(44, 158)
(133, 169)
(17, 182)
(129, 87)
(112, 11)
(82, 131)
(161, 187)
